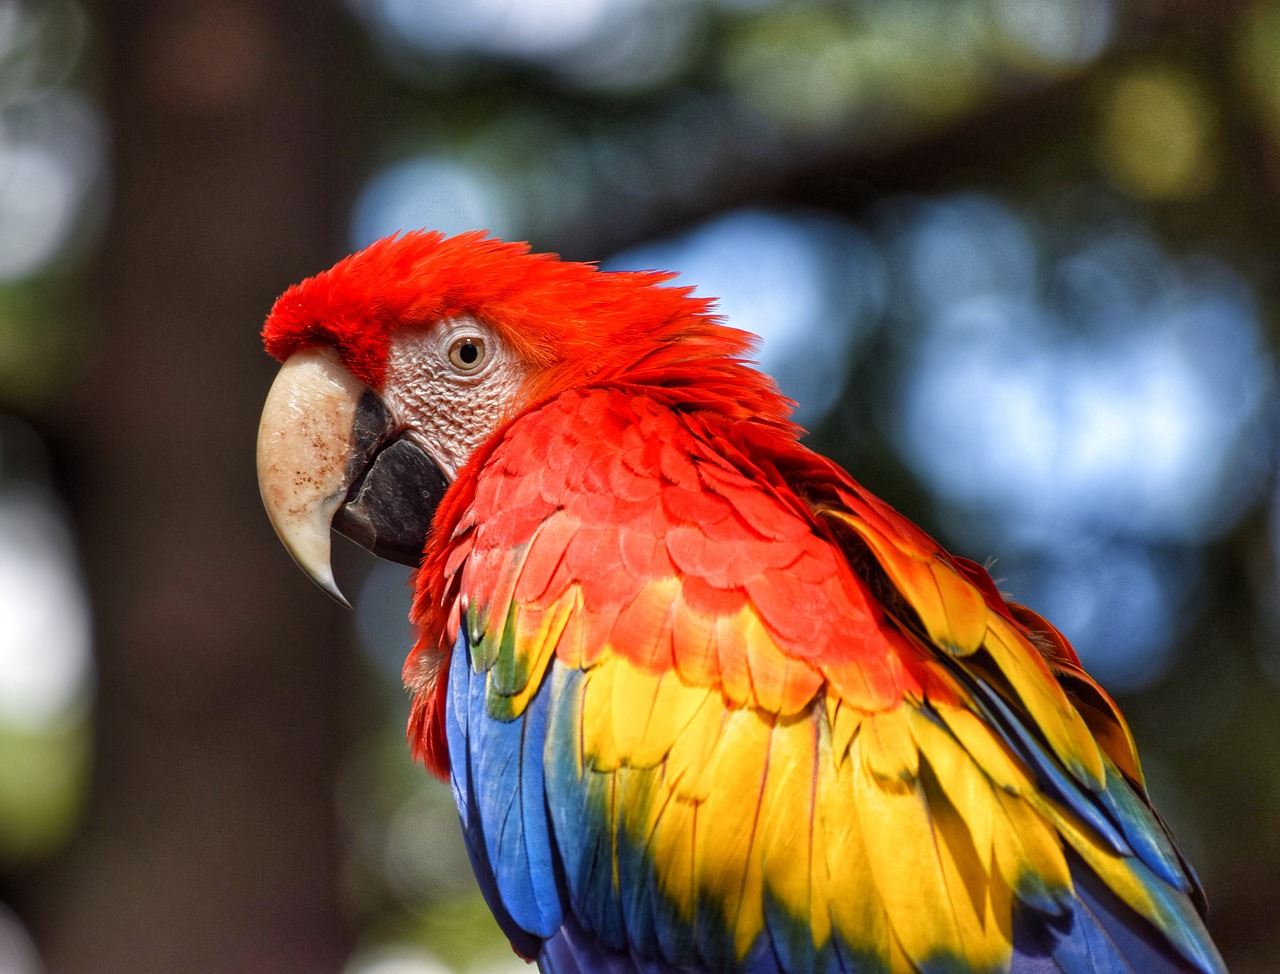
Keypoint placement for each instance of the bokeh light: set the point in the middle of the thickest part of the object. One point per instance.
(1159, 134)
(1079, 409)
(53, 178)
(1123, 604)
(832, 70)
(1097, 401)
(52, 144)
(17, 951)
(809, 287)
(53, 175)
(395, 960)
(45, 662)
(399, 959)
(594, 43)
(1257, 57)
(1056, 32)
(433, 193)
(46, 665)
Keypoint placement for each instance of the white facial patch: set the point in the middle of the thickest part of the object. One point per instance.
(450, 385)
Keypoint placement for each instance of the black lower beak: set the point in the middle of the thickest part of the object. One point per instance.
(396, 489)
(391, 507)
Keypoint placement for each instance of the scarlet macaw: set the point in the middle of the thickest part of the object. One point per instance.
(706, 703)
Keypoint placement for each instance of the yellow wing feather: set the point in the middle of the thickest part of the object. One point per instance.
(775, 796)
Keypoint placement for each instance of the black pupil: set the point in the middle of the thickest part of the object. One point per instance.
(469, 353)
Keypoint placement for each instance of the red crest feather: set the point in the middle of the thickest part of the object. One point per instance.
(573, 320)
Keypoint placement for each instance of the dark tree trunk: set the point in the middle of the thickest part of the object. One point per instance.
(209, 844)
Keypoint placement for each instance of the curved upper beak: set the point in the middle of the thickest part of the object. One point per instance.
(329, 457)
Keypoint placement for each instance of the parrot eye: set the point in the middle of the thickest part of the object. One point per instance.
(467, 354)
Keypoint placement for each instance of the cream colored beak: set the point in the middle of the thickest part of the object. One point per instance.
(306, 448)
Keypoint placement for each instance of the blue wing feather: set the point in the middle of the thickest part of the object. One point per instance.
(496, 772)
(1144, 832)
(458, 719)
(636, 880)
(1128, 825)
(575, 951)
(548, 873)
(1053, 778)
(584, 840)
(792, 941)
(519, 847)
(535, 820)
(1100, 935)
(1123, 818)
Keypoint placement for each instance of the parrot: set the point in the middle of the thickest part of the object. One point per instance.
(704, 702)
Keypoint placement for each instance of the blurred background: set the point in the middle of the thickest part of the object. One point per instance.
(1015, 259)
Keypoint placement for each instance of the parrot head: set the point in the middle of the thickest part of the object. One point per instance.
(403, 360)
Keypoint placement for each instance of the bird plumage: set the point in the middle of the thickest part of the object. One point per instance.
(706, 703)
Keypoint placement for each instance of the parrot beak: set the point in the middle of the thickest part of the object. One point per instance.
(328, 457)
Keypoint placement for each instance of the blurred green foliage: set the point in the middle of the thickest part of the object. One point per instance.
(44, 777)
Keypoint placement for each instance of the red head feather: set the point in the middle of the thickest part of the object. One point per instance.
(570, 319)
